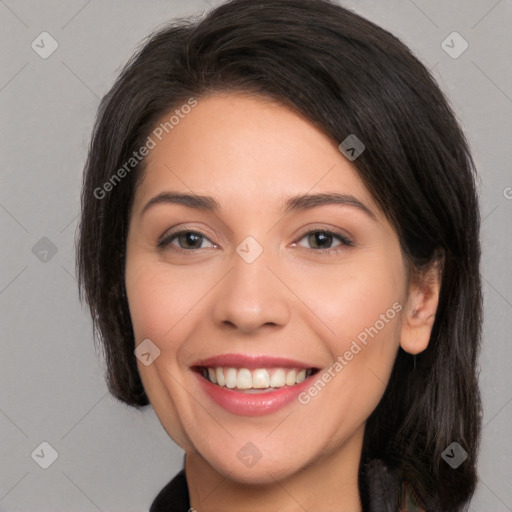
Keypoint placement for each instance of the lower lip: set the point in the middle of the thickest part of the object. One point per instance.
(252, 404)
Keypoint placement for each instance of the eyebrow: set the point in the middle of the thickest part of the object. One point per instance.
(295, 203)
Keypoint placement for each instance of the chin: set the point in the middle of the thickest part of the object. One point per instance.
(275, 465)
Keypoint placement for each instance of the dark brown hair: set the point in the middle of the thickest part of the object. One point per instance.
(347, 76)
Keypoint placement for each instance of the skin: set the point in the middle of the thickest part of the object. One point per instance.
(251, 154)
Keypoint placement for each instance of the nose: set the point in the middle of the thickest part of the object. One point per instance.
(250, 297)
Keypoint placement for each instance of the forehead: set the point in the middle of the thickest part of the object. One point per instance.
(240, 147)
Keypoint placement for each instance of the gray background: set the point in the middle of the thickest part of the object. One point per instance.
(112, 457)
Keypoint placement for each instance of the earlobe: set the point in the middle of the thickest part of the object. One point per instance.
(421, 308)
(416, 332)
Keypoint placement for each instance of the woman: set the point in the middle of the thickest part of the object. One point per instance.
(279, 244)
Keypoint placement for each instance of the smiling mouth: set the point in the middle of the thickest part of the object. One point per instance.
(255, 380)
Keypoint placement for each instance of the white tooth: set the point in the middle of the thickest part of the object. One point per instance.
(290, 377)
(219, 373)
(230, 378)
(278, 379)
(244, 379)
(300, 376)
(211, 375)
(260, 379)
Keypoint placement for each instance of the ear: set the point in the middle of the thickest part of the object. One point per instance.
(421, 306)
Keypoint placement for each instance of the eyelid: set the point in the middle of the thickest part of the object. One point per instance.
(327, 229)
(165, 239)
(345, 240)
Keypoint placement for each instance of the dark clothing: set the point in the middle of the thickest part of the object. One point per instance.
(173, 497)
(379, 493)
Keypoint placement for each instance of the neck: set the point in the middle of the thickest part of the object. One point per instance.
(328, 483)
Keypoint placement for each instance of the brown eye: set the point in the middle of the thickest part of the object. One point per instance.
(186, 240)
(323, 240)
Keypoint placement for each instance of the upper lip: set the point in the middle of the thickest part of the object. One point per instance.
(250, 361)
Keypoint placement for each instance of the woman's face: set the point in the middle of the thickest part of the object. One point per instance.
(266, 281)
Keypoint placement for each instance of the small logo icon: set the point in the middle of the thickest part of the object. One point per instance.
(45, 455)
(454, 45)
(249, 250)
(44, 250)
(455, 455)
(44, 45)
(146, 352)
(249, 455)
(352, 147)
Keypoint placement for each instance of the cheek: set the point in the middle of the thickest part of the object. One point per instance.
(359, 305)
(157, 299)
(362, 310)
(148, 303)
(352, 298)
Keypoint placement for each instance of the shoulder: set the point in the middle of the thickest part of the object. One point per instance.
(173, 497)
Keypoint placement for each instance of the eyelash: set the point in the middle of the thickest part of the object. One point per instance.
(165, 241)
